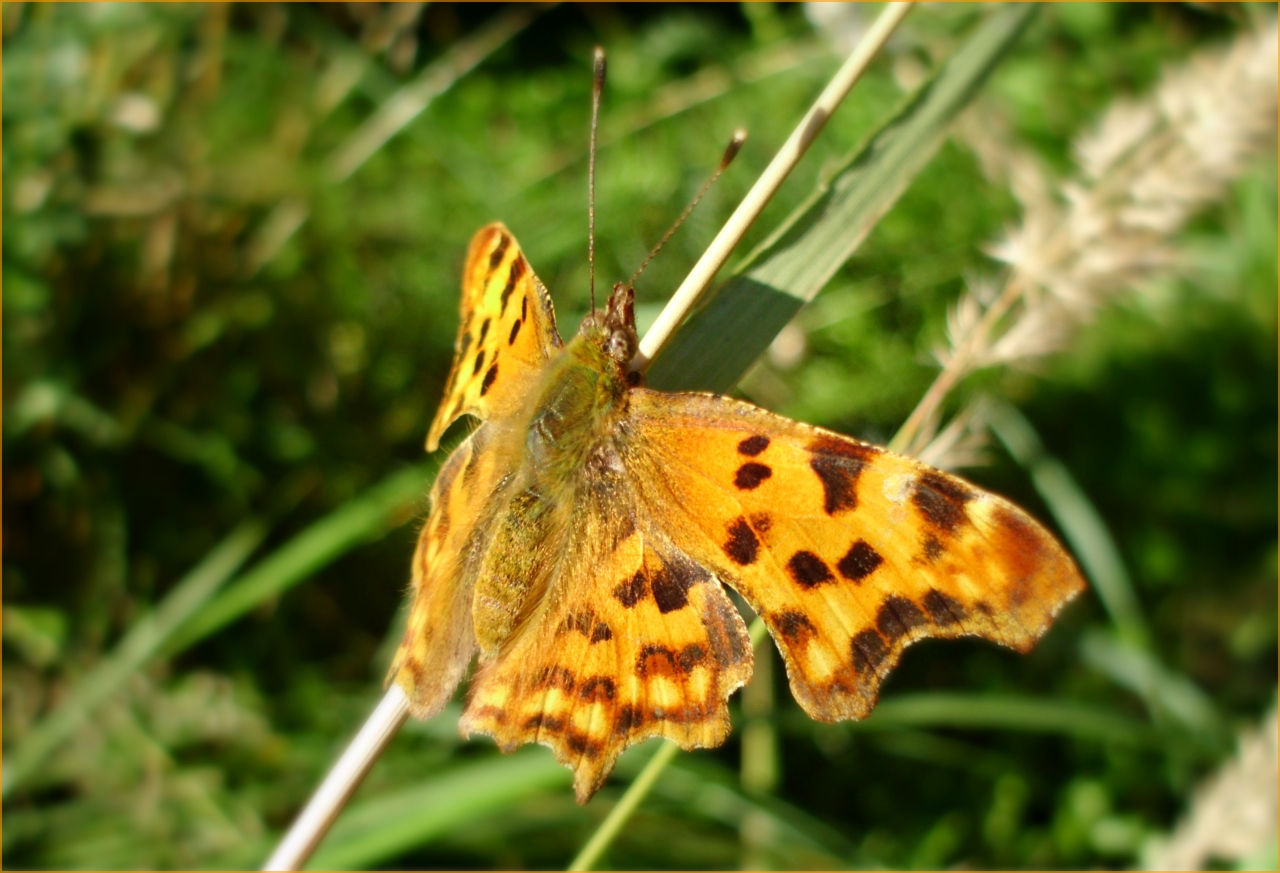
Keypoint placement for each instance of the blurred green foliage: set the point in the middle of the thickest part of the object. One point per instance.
(203, 329)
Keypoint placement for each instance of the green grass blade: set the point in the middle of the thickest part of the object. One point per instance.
(1170, 695)
(355, 522)
(1006, 712)
(381, 828)
(139, 644)
(733, 327)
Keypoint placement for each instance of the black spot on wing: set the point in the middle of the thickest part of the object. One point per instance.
(742, 545)
(808, 570)
(580, 744)
(632, 591)
(932, 549)
(690, 657)
(524, 307)
(555, 677)
(597, 688)
(795, 627)
(655, 659)
(838, 463)
(941, 499)
(859, 562)
(897, 617)
(543, 722)
(753, 445)
(586, 623)
(669, 592)
(515, 332)
(517, 270)
(942, 609)
(627, 719)
(867, 651)
(489, 378)
(479, 365)
(495, 257)
(484, 332)
(750, 475)
(671, 584)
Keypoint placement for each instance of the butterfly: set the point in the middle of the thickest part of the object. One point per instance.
(580, 538)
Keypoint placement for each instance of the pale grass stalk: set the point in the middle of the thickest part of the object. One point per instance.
(1147, 168)
(345, 776)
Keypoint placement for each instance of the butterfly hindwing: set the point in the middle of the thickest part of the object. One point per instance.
(507, 332)
(849, 552)
(633, 639)
(439, 640)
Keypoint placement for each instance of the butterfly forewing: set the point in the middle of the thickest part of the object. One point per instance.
(848, 552)
(506, 335)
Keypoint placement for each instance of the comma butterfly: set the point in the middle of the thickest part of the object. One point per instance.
(579, 540)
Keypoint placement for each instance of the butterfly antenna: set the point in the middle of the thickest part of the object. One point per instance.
(739, 137)
(597, 86)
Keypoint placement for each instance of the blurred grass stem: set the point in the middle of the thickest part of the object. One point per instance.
(619, 815)
(699, 278)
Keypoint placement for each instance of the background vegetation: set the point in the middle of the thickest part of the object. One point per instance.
(231, 259)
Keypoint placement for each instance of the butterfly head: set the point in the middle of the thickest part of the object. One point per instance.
(615, 328)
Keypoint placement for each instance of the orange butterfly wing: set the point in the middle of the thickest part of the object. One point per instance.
(849, 552)
(507, 332)
(633, 640)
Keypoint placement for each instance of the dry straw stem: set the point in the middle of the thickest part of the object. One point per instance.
(345, 776)
(340, 783)
(1144, 171)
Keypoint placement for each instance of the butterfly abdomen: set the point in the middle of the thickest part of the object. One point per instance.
(569, 419)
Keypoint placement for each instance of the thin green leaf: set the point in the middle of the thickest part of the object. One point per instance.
(1005, 712)
(357, 521)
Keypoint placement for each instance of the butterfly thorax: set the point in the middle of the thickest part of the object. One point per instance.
(571, 424)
